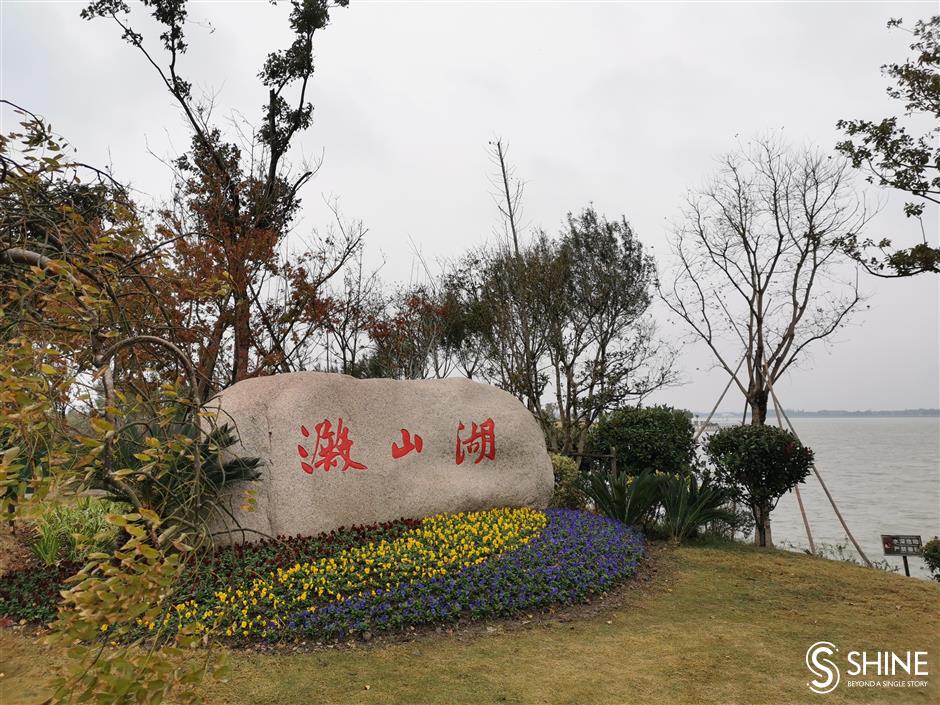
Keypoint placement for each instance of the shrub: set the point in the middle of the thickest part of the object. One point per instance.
(629, 499)
(567, 493)
(931, 557)
(646, 438)
(688, 505)
(71, 531)
(759, 464)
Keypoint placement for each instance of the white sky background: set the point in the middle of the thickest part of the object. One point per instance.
(626, 105)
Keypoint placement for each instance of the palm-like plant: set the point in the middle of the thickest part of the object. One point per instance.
(627, 498)
(157, 471)
(688, 505)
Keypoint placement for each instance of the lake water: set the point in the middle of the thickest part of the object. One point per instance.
(884, 474)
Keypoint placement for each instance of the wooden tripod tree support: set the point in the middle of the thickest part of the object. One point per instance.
(780, 412)
(822, 484)
(799, 497)
(711, 413)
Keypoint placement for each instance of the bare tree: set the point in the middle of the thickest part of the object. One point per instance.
(559, 322)
(309, 311)
(760, 262)
(521, 339)
(351, 314)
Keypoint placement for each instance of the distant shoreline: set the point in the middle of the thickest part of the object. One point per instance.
(840, 413)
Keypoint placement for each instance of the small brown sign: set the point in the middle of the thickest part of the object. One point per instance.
(899, 545)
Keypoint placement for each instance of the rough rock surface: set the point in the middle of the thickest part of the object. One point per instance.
(339, 451)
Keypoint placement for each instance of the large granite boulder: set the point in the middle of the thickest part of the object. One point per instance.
(339, 451)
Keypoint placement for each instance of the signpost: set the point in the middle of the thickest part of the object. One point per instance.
(902, 545)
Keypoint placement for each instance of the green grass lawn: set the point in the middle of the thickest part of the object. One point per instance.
(726, 625)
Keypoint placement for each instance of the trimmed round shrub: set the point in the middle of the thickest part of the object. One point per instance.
(759, 464)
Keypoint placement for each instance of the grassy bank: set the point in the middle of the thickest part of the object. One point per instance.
(725, 625)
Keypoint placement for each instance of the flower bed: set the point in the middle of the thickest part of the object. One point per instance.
(231, 566)
(439, 545)
(408, 573)
(486, 564)
(576, 555)
(32, 593)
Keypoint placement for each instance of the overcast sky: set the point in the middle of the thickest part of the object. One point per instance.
(623, 104)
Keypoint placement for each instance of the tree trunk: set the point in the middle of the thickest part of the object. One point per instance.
(209, 355)
(242, 316)
(757, 401)
(762, 535)
(241, 321)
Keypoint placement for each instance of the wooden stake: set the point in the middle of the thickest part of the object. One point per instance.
(799, 498)
(715, 408)
(826, 490)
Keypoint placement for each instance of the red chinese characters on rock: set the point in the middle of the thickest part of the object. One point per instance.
(482, 441)
(332, 446)
(407, 445)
